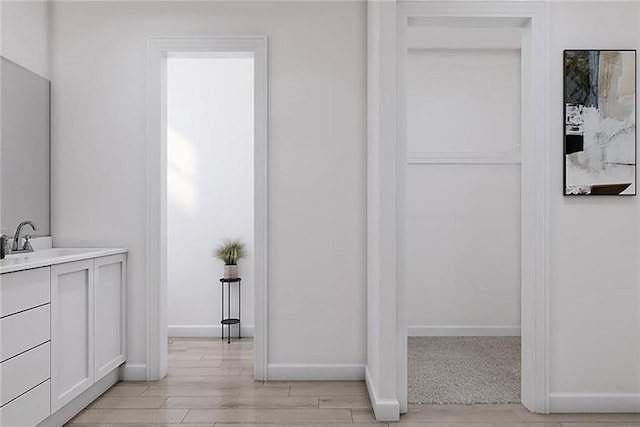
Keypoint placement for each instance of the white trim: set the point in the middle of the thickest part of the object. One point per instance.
(156, 286)
(594, 402)
(464, 331)
(206, 331)
(315, 372)
(133, 372)
(507, 156)
(402, 311)
(261, 215)
(384, 409)
(534, 160)
(386, 337)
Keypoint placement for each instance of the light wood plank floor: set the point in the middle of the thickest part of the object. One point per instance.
(210, 383)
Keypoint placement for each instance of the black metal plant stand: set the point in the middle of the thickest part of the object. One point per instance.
(230, 320)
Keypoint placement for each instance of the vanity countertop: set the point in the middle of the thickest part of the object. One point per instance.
(52, 256)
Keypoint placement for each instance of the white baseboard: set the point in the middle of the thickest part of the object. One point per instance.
(314, 372)
(594, 402)
(384, 409)
(463, 331)
(205, 331)
(133, 372)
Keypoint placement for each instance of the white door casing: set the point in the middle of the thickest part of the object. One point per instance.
(158, 50)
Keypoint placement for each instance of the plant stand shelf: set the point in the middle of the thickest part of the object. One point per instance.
(230, 320)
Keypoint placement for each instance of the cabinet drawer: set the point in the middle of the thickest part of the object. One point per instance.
(24, 372)
(29, 409)
(24, 330)
(24, 289)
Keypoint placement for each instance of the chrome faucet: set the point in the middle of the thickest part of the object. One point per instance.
(16, 239)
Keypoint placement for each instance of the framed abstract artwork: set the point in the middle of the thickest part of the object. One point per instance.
(600, 122)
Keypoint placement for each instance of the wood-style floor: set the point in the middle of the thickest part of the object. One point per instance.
(210, 383)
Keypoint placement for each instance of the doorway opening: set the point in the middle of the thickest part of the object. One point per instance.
(207, 178)
(463, 197)
(210, 198)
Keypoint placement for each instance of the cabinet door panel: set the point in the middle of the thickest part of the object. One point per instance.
(110, 279)
(72, 336)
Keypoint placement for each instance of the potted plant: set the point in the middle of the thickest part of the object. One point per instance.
(230, 251)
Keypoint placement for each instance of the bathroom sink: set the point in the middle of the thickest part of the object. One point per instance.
(49, 253)
(57, 252)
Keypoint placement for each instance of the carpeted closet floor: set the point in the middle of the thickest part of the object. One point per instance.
(450, 370)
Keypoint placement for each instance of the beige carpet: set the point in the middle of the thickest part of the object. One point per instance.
(466, 370)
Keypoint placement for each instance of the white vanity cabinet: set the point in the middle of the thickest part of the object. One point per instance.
(62, 330)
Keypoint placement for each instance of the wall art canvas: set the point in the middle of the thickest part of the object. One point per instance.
(600, 122)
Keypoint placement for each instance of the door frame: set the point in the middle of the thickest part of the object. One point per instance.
(158, 50)
(531, 18)
(387, 182)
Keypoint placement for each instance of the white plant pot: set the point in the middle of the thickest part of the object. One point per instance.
(230, 271)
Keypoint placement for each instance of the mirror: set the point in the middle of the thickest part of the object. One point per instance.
(24, 149)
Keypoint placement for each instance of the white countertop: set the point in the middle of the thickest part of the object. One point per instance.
(52, 256)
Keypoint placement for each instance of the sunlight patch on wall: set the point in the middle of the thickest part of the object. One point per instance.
(182, 169)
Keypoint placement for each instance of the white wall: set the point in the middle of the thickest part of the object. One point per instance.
(317, 190)
(463, 202)
(25, 34)
(595, 243)
(210, 188)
